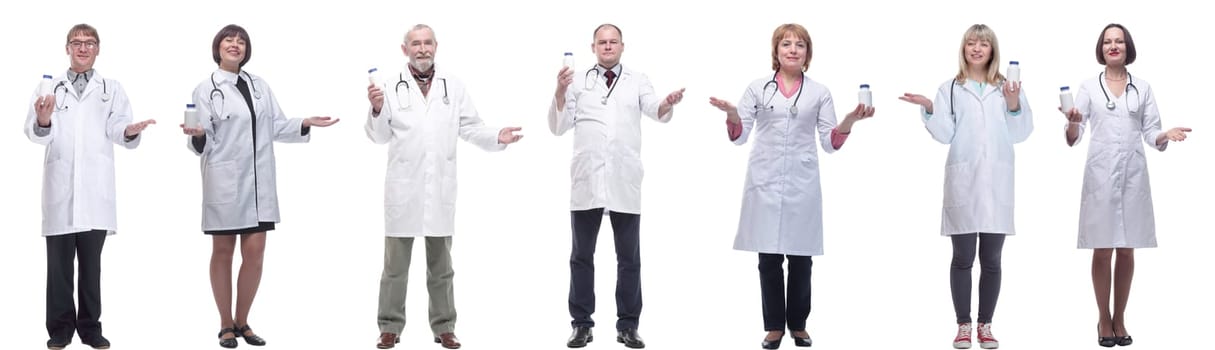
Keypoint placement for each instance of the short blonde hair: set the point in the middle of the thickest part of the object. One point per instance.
(797, 31)
(981, 32)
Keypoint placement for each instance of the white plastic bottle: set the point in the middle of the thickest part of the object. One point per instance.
(371, 76)
(191, 116)
(866, 96)
(46, 87)
(1014, 71)
(569, 60)
(1065, 99)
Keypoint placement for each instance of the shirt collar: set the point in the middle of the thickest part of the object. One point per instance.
(222, 76)
(615, 69)
(72, 75)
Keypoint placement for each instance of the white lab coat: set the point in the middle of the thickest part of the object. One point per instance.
(238, 169)
(782, 206)
(420, 184)
(606, 170)
(1116, 199)
(78, 186)
(979, 172)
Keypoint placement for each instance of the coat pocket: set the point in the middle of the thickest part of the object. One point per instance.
(219, 183)
(56, 181)
(959, 184)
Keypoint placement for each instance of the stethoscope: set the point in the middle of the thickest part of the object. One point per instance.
(405, 101)
(772, 83)
(61, 103)
(216, 91)
(592, 76)
(1130, 84)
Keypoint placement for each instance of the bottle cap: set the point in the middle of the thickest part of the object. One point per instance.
(189, 105)
(569, 53)
(864, 86)
(44, 76)
(369, 71)
(1014, 62)
(1064, 88)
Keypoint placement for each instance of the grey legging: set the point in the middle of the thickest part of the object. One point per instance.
(989, 245)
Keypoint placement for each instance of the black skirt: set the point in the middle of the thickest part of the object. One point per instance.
(264, 226)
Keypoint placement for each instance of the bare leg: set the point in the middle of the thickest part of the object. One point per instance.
(252, 250)
(1124, 269)
(221, 278)
(1101, 287)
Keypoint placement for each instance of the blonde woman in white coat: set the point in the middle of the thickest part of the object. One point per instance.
(980, 115)
(1116, 214)
(781, 219)
(240, 121)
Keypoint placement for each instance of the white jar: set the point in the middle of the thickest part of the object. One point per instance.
(866, 96)
(569, 60)
(1065, 99)
(371, 76)
(46, 86)
(1014, 71)
(191, 116)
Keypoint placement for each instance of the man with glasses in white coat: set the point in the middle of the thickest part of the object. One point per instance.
(604, 105)
(419, 112)
(79, 122)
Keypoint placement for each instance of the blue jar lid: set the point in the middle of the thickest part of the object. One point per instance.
(864, 86)
(569, 53)
(373, 70)
(44, 76)
(1014, 62)
(189, 105)
(1064, 88)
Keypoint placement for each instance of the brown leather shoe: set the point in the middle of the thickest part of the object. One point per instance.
(448, 340)
(387, 341)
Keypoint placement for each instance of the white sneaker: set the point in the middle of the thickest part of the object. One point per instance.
(962, 341)
(986, 340)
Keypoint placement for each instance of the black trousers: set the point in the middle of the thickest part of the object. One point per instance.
(62, 316)
(781, 309)
(626, 232)
(990, 246)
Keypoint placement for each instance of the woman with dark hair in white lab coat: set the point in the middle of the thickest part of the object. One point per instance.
(239, 122)
(980, 115)
(1116, 213)
(791, 115)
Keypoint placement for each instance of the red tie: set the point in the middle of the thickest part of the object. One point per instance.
(611, 75)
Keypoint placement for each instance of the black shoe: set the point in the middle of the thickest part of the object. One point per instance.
(58, 344)
(229, 343)
(1108, 342)
(630, 339)
(803, 342)
(772, 344)
(580, 337)
(1123, 340)
(251, 339)
(96, 341)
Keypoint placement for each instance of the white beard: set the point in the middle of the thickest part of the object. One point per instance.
(423, 65)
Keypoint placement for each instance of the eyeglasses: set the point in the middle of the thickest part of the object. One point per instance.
(86, 44)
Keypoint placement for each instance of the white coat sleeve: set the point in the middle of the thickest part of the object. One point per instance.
(378, 127)
(746, 115)
(201, 100)
(286, 130)
(119, 117)
(941, 123)
(1084, 105)
(1151, 121)
(561, 121)
(649, 100)
(473, 129)
(1021, 123)
(826, 122)
(37, 134)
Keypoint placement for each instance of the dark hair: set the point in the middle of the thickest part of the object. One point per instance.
(607, 25)
(1126, 36)
(228, 31)
(83, 29)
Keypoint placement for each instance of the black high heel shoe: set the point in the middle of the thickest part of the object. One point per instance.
(229, 343)
(1123, 340)
(1108, 342)
(252, 339)
(773, 344)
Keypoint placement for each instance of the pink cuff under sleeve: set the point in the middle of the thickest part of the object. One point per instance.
(837, 139)
(733, 130)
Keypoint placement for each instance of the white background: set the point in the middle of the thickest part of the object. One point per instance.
(882, 282)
